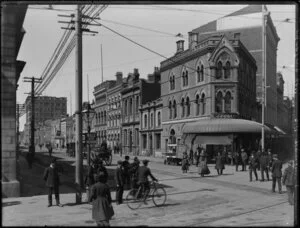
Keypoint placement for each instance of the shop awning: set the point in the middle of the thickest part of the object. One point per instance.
(224, 126)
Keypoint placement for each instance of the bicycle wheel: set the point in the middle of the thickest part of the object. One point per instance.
(159, 196)
(133, 199)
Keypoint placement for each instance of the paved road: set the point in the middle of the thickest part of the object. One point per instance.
(229, 200)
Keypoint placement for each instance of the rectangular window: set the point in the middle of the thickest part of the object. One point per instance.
(144, 141)
(157, 139)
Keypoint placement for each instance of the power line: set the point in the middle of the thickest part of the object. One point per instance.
(207, 12)
(68, 49)
(142, 28)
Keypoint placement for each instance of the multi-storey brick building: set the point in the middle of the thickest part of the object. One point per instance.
(100, 107)
(151, 128)
(136, 92)
(114, 112)
(12, 32)
(209, 95)
(45, 108)
(246, 25)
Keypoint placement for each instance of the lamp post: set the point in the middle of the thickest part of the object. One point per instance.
(89, 114)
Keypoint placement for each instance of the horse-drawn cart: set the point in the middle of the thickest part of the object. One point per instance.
(105, 154)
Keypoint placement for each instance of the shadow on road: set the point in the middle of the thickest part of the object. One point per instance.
(163, 206)
(6, 204)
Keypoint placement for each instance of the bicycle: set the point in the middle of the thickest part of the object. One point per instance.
(135, 197)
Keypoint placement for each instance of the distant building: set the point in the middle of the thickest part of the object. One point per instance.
(237, 25)
(136, 92)
(151, 128)
(12, 33)
(100, 107)
(46, 108)
(114, 112)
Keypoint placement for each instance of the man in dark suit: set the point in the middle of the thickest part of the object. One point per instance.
(125, 167)
(276, 173)
(264, 166)
(52, 182)
(237, 159)
(119, 179)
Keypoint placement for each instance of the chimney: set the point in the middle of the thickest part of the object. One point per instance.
(156, 74)
(136, 73)
(193, 40)
(119, 76)
(180, 46)
(151, 77)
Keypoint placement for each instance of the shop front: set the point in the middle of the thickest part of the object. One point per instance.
(217, 135)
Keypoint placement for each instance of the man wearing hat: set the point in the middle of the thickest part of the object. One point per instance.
(276, 173)
(119, 179)
(52, 182)
(288, 179)
(133, 171)
(143, 173)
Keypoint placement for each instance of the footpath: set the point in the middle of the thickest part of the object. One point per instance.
(32, 210)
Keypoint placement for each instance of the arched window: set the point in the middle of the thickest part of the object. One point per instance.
(137, 104)
(182, 107)
(172, 137)
(145, 121)
(198, 74)
(171, 83)
(227, 70)
(125, 107)
(175, 109)
(130, 106)
(202, 73)
(170, 110)
(151, 120)
(104, 116)
(158, 119)
(183, 78)
(186, 78)
(188, 107)
(197, 101)
(228, 102)
(203, 103)
(219, 70)
(219, 101)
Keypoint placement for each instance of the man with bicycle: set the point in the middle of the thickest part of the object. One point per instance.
(143, 173)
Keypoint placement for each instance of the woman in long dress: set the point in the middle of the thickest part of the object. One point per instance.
(185, 163)
(203, 169)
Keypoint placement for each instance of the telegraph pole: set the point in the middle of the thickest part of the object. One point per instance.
(78, 106)
(33, 80)
(78, 95)
(263, 77)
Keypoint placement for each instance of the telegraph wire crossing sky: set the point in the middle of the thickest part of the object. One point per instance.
(156, 27)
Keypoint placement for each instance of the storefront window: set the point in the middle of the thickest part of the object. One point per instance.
(219, 98)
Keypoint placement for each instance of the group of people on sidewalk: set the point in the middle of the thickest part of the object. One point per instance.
(265, 162)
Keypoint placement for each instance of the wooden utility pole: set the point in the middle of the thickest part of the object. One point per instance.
(33, 80)
(263, 85)
(78, 97)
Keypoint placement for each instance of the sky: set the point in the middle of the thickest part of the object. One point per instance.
(43, 33)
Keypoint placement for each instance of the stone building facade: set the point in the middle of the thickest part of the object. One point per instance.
(100, 107)
(151, 128)
(12, 32)
(136, 92)
(213, 79)
(114, 112)
(46, 108)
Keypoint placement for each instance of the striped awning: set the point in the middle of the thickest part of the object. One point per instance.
(224, 126)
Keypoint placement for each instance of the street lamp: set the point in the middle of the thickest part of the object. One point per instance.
(89, 114)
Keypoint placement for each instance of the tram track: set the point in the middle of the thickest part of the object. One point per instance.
(227, 216)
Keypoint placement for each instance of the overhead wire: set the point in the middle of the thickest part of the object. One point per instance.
(69, 48)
